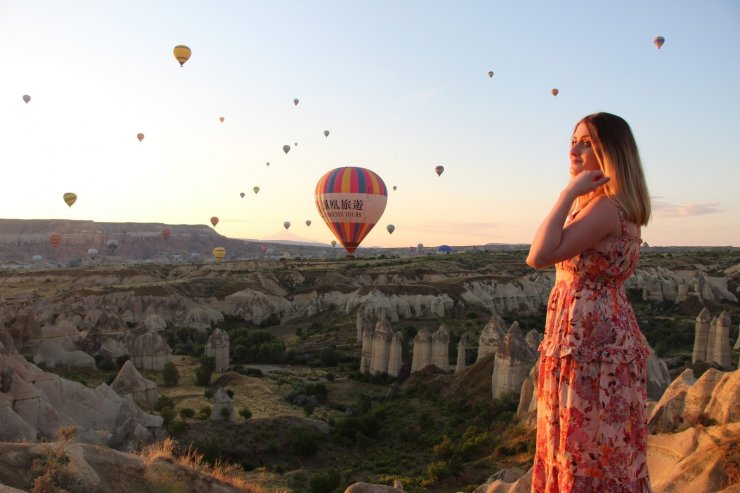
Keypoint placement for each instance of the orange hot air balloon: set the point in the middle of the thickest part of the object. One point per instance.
(221, 119)
(182, 53)
(55, 239)
(555, 91)
(214, 221)
(26, 98)
(219, 253)
(439, 170)
(351, 201)
(658, 41)
(166, 233)
(70, 198)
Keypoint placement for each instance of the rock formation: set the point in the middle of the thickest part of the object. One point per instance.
(701, 336)
(441, 348)
(422, 355)
(526, 411)
(709, 357)
(51, 354)
(218, 347)
(382, 337)
(149, 351)
(491, 336)
(462, 347)
(395, 361)
(514, 360)
(367, 350)
(130, 382)
(223, 407)
(533, 338)
(722, 354)
(658, 377)
(736, 347)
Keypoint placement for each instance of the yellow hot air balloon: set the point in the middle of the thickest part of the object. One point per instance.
(70, 198)
(140, 137)
(26, 98)
(555, 91)
(658, 41)
(333, 243)
(219, 253)
(182, 53)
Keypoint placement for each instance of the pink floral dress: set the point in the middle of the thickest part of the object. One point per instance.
(592, 390)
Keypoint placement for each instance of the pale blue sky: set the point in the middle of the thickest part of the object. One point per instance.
(401, 85)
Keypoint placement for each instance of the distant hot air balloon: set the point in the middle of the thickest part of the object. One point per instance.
(182, 53)
(439, 170)
(221, 119)
(26, 98)
(112, 245)
(308, 222)
(658, 41)
(333, 243)
(391, 228)
(241, 194)
(555, 92)
(267, 163)
(214, 221)
(55, 239)
(140, 137)
(490, 74)
(326, 133)
(37, 258)
(286, 148)
(256, 190)
(286, 224)
(219, 253)
(394, 188)
(166, 233)
(351, 201)
(295, 101)
(93, 252)
(295, 144)
(70, 198)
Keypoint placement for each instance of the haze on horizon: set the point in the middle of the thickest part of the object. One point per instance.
(402, 88)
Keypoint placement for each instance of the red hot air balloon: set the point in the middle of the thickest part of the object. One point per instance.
(351, 201)
(140, 137)
(555, 91)
(166, 233)
(55, 239)
(214, 221)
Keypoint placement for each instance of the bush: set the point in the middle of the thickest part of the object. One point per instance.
(245, 413)
(187, 413)
(178, 426)
(170, 374)
(302, 442)
(205, 371)
(209, 393)
(324, 482)
(164, 402)
(204, 413)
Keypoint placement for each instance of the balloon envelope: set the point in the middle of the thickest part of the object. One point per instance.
(555, 92)
(26, 98)
(439, 170)
(308, 222)
(241, 195)
(140, 137)
(219, 253)
(351, 201)
(37, 258)
(394, 188)
(55, 239)
(286, 224)
(391, 228)
(326, 133)
(333, 243)
(70, 198)
(166, 233)
(295, 101)
(182, 53)
(92, 252)
(286, 149)
(658, 41)
(267, 163)
(221, 119)
(214, 221)
(490, 74)
(256, 190)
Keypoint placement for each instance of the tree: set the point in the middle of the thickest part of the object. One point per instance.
(171, 375)
(204, 372)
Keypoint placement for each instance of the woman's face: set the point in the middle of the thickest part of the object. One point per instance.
(582, 152)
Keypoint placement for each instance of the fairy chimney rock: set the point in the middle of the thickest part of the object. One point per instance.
(218, 347)
(367, 350)
(491, 336)
(462, 347)
(395, 358)
(722, 354)
(701, 336)
(422, 355)
(364, 322)
(513, 362)
(441, 348)
(381, 346)
(149, 351)
(533, 338)
(223, 406)
(130, 382)
(709, 357)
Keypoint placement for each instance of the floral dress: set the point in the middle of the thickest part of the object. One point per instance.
(592, 387)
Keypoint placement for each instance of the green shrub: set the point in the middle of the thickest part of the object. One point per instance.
(245, 413)
(302, 442)
(170, 374)
(324, 482)
(204, 412)
(187, 413)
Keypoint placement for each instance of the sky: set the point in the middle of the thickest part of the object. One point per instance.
(402, 86)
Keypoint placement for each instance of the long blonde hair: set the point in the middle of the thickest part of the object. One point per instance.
(618, 157)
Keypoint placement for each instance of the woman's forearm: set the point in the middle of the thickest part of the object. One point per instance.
(550, 233)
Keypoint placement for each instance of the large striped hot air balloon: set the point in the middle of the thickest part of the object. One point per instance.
(55, 239)
(351, 201)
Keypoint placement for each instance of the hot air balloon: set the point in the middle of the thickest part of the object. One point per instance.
(555, 92)
(439, 170)
(26, 98)
(182, 53)
(351, 201)
(93, 252)
(256, 190)
(326, 133)
(286, 224)
(112, 245)
(333, 243)
(295, 101)
(140, 137)
(295, 144)
(267, 163)
(241, 194)
(286, 148)
(391, 228)
(166, 233)
(55, 239)
(221, 119)
(490, 74)
(214, 221)
(37, 258)
(394, 188)
(70, 198)
(219, 253)
(658, 41)
(308, 222)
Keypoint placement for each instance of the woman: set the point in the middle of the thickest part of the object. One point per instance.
(591, 393)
